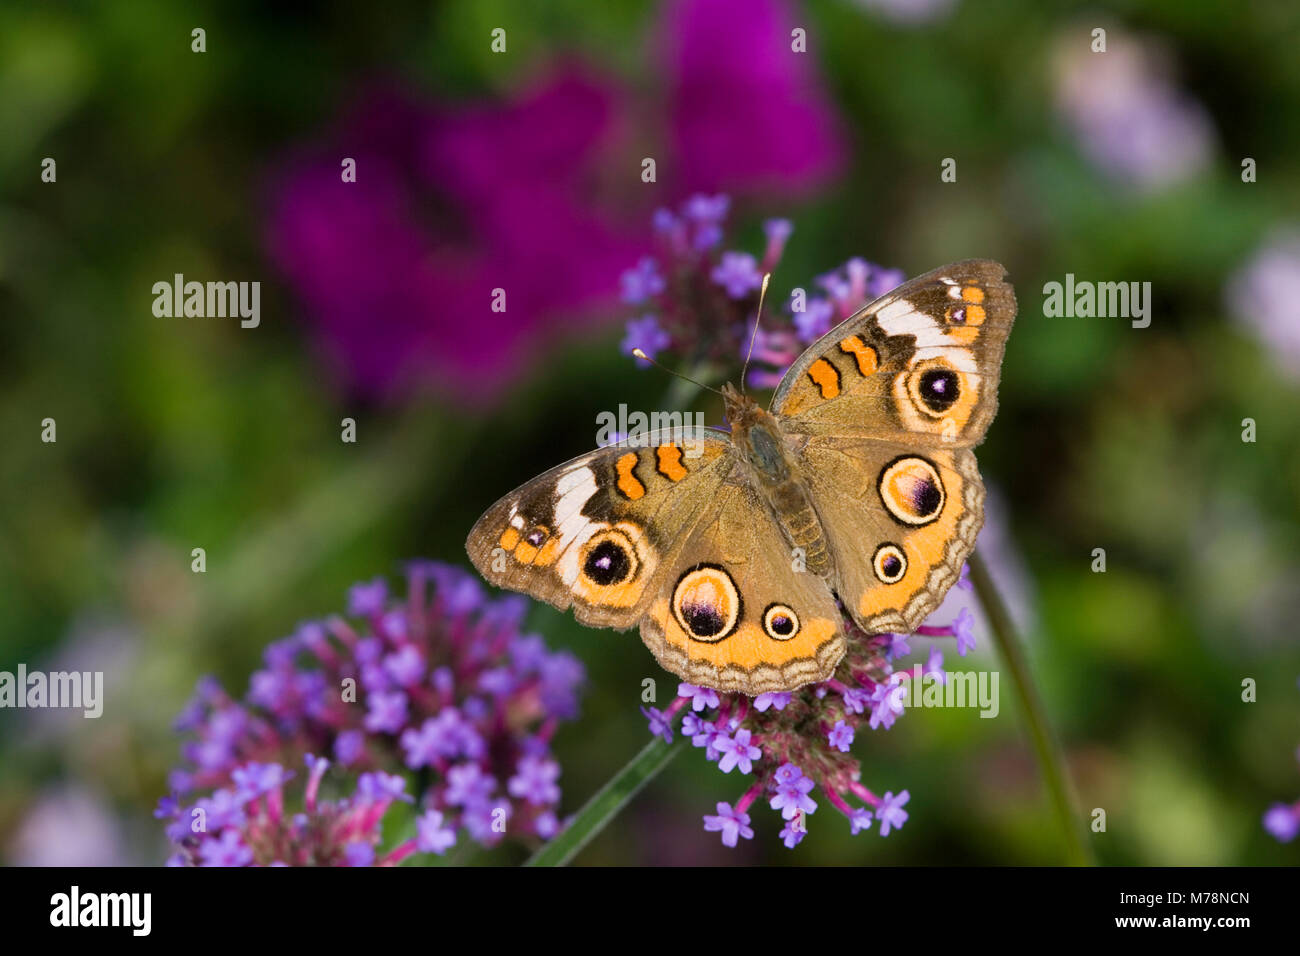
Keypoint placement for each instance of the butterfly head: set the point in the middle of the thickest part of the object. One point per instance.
(742, 411)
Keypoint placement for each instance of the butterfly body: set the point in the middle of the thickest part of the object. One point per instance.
(761, 446)
(729, 550)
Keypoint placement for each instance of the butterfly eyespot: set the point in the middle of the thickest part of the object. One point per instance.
(890, 563)
(533, 546)
(706, 603)
(780, 622)
(609, 559)
(935, 386)
(911, 490)
(957, 316)
(938, 388)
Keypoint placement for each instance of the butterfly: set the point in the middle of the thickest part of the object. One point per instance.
(729, 550)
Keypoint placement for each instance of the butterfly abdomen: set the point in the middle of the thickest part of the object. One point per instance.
(802, 526)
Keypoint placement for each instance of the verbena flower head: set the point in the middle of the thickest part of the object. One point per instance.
(796, 746)
(432, 700)
(697, 300)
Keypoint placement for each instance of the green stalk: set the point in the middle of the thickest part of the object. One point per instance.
(1051, 759)
(606, 804)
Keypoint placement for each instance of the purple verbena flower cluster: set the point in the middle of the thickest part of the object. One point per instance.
(698, 300)
(791, 743)
(434, 699)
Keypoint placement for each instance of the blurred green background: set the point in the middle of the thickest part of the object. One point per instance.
(183, 433)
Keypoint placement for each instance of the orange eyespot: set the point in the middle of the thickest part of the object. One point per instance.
(780, 622)
(609, 559)
(533, 548)
(911, 490)
(706, 603)
(890, 563)
(935, 386)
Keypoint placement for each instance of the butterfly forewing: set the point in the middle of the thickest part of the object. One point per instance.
(591, 534)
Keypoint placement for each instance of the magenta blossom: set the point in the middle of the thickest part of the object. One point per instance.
(745, 108)
(474, 237)
(398, 299)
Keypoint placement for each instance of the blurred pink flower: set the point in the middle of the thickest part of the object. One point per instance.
(1128, 116)
(1261, 296)
(397, 270)
(746, 111)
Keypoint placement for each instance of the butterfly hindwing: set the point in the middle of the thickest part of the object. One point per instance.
(735, 614)
(901, 522)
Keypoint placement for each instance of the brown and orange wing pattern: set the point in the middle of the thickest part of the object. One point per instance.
(901, 522)
(884, 410)
(736, 615)
(920, 363)
(593, 534)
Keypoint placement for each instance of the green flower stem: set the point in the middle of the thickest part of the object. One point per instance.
(605, 805)
(1051, 759)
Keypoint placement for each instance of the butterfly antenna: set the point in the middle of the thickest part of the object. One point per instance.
(645, 358)
(753, 336)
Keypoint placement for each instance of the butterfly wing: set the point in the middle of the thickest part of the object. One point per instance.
(900, 522)
(884, 410)
(734, 614)
(592, 533)
(919, 364)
